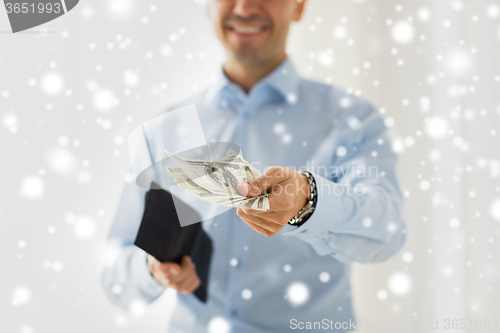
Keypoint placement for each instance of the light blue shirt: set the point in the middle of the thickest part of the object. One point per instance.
(261, 284)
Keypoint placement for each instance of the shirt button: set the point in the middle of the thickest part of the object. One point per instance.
(234, 262)
(234, 312)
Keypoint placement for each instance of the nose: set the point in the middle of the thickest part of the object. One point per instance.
(246, 8)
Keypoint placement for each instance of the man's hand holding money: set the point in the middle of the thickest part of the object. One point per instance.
(289, 191)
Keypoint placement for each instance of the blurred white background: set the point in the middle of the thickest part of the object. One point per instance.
(70, 96)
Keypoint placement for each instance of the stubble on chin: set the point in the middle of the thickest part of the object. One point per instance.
(246, 55)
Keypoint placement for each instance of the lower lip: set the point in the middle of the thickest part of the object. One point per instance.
(252, 35)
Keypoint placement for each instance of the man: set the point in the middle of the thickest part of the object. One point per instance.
(269, 275)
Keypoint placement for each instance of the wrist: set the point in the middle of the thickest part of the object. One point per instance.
(307, 210)
(305, 189)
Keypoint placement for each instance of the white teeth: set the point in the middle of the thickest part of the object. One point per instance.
(247, 30)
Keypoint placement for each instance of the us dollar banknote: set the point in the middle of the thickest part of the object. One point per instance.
(216, 181)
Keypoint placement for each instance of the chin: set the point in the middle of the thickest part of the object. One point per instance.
(247, 57)
(246, 52)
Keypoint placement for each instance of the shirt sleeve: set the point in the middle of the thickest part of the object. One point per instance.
(358, 211)
(126, 278)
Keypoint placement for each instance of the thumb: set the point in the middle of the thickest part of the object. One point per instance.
(187, 262)
(255, 187)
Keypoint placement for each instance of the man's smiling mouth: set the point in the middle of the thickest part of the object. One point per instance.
(247, 30)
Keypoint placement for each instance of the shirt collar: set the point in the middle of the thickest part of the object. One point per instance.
(284, 79)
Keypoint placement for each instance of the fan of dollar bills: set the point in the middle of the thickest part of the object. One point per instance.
(216, 181)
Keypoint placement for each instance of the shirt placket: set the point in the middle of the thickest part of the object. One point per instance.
(238, 247)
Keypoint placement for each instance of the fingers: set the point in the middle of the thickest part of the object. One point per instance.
(165, 273)
(162, 272)
(187, 280)
(244, 189)
(186, 262)
(274, 217)
(271, 176)
(262, 222)
(279, 201)
(270, 226)
(168, 269)
(285, 199)
(280, 213)
(189, 285)
(259, 229)
(182, 278)
(151, 260)
(289, 193)
(186, 269)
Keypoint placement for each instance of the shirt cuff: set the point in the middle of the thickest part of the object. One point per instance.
(328, 207)
(142, 275)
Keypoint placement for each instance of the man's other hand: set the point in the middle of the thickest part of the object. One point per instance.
(289, 191)
(182, 278)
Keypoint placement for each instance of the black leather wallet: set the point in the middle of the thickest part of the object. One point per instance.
(161, 235)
